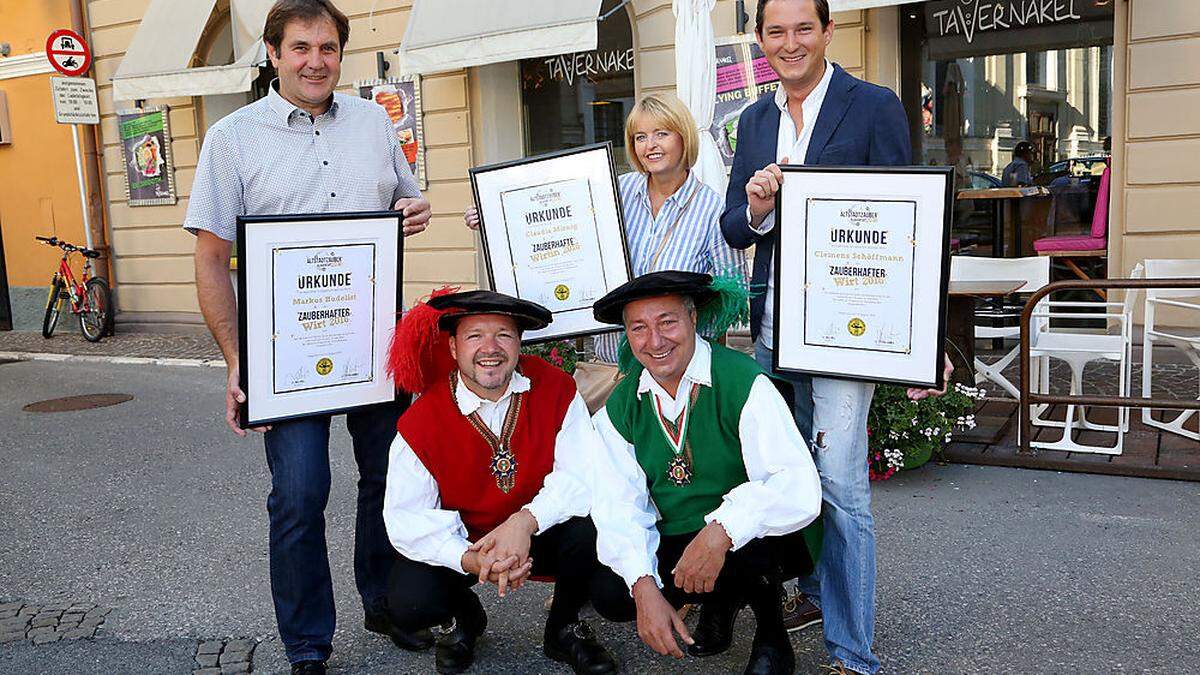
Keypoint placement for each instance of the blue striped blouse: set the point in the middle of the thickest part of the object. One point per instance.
(696, 245)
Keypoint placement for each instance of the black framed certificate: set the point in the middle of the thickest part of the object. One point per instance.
(318, 297)
(553, 233)
(861, 272)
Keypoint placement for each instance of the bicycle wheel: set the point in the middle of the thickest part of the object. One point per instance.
(93, 319)
(53, 304)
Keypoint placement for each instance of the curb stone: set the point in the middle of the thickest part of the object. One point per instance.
(124, 360)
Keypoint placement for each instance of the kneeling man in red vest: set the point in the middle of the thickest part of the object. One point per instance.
(488, 479)
(704, 491)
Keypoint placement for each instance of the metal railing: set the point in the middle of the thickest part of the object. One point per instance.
(1029, 398)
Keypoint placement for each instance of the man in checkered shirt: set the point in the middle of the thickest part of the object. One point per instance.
(305, 149)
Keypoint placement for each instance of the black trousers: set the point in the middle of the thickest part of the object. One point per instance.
(764, 560)
(422, 595)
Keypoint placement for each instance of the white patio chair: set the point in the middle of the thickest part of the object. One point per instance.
(1035, 272)
(1189, 344)
(1079, 349)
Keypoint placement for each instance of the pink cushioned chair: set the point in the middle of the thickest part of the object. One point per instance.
(1093, 245)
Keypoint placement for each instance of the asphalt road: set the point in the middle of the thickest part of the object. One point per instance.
(154, 509)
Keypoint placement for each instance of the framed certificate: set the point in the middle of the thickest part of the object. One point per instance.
(861, 272)
(553, 234)
(318, 296)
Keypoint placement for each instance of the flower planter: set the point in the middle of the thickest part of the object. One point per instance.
(905, 434)
(917, 458)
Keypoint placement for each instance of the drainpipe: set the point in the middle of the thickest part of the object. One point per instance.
(91, 166)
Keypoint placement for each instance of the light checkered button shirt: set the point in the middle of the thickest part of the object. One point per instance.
(270, 158)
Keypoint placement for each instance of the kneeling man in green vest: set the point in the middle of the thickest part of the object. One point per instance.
(704, 490)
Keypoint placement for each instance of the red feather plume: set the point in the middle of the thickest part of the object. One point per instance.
(420, 351)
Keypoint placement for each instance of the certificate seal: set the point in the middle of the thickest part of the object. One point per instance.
(857, 327)
(562, 292)
(324, 366)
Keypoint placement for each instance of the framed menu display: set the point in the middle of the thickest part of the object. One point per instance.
(318, 298)
(553, 234)
(861, 272)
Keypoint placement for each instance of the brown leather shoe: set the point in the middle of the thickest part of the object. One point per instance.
(799, 612)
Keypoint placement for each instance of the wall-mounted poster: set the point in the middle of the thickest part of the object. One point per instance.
(401, 98)
(743, 75)
(146, 148)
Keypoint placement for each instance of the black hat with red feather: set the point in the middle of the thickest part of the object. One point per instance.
(420, 351)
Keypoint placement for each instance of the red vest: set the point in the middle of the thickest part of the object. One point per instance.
(459, 458)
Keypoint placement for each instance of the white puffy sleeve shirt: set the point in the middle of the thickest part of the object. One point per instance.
(782, 493)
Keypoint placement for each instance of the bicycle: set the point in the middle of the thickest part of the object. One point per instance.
(91, 300)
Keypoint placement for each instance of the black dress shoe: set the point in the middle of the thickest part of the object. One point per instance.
(308, 668)
(456, 641)
(771, 656)
(575, 645)
(714, 628)
(413, 641)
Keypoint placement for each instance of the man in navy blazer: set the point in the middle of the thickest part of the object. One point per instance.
(819, 115)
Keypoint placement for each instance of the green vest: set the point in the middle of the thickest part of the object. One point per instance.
(712, 434)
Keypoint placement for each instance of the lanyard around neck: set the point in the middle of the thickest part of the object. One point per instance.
(675, 432)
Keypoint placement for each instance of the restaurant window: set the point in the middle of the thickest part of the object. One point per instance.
(983, 86)
(571, 100)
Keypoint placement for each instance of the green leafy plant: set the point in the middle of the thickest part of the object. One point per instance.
(904, 434)
(558, 353)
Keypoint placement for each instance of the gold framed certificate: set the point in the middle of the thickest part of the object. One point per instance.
(553, 233)
(861, 272)
(318, 296)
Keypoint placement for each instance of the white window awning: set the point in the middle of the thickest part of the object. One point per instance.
(845, 5)
(156, 63)
(451, 34)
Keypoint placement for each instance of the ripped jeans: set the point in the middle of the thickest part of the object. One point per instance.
(832, 417)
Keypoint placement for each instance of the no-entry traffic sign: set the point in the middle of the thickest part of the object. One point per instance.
(68, 52)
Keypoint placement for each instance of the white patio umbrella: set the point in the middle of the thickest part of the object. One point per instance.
(696, 81)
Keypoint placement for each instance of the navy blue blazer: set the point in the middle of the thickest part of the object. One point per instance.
(860, 124)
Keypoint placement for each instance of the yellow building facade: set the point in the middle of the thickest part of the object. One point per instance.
(39, 193)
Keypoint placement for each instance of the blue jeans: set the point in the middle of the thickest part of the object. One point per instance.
(301, 587)
(832, 416)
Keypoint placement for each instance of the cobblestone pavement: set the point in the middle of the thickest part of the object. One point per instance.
(40, 624)
(142, 345)
(224, 657)
(1170, 380)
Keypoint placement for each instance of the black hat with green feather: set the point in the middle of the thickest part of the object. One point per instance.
(721, 301)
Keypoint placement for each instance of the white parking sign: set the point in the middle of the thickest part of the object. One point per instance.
(75, 100)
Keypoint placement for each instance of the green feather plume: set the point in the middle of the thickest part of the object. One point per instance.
(731, 305)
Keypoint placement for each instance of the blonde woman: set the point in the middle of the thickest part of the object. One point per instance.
(671, 218)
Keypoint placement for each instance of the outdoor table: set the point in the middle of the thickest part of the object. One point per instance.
(960, 320)
(960, 334)
(999, 196)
